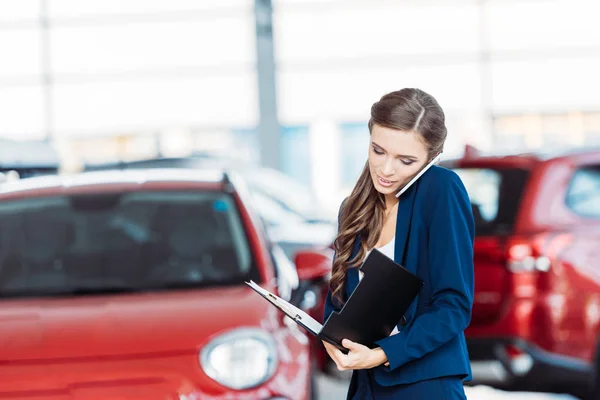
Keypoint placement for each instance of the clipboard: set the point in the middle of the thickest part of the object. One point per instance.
(307, 322)
(374, 308)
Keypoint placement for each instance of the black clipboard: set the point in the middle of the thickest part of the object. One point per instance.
(371, 312)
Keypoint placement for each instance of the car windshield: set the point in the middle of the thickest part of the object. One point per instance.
(291, 197)
(495, 197)
(120, 242)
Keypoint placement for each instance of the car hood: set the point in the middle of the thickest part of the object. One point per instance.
(126, 324)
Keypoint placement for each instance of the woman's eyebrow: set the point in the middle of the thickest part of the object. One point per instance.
(398, 155)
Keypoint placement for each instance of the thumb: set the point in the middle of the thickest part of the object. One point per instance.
(350, 345)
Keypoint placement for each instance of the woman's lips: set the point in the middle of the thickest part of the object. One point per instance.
(384, 182)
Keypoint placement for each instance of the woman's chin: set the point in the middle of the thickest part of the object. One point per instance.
(386, 190)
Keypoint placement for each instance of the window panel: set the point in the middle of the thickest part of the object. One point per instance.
(295, 153)
(559, 132)
(19, 10)
(354, 148)
(19, 52)
(148, 46)
(556, 84)
(349, 93)
(523, 25)
(367, 30)
(116, 106)
(245, 145)
(78, 8)
(22, 115)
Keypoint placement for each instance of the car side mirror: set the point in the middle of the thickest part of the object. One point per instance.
(313, 264)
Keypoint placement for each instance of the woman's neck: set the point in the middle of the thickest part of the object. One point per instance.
(390, 202)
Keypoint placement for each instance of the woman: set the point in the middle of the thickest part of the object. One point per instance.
(429, 230)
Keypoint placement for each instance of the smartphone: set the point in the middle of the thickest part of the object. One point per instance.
(417, 176)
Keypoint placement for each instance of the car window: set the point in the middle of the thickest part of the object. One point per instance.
(289, 193)
(583, 195)
(495, 197)
(272, 211)
(122, 241)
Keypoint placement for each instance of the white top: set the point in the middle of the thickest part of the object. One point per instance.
(387, 250)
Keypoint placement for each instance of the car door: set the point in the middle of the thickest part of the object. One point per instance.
(581, 261)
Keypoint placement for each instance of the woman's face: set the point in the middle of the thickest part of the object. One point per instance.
(394, 158)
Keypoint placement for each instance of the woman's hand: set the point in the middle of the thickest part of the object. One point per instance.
(359, 356)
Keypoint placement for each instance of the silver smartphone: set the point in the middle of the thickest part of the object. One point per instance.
(417, 176)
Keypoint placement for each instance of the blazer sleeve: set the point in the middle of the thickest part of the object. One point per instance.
(450, 260)
(330, 304)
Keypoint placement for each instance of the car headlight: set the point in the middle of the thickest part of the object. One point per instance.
(240, 359)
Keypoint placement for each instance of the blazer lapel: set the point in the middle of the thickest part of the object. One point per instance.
(405, 212)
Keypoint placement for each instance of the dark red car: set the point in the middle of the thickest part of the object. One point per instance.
(130, 285)
(536, 314)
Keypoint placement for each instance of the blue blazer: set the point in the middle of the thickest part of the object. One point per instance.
(436, 218)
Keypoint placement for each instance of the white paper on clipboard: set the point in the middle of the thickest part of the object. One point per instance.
(288, 309)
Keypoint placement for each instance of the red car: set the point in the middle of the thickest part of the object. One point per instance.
(536, 313)
(130, 285)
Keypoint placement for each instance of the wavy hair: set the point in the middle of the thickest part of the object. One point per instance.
(362, 213)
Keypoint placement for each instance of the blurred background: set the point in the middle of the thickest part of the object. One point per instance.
(280, 91)
(116, 81)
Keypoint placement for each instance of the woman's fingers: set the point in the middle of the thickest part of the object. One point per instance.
(332, 351)
(352, 346)
(329, 349)
(336, 355)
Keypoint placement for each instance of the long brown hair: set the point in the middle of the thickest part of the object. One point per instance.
(363, 211)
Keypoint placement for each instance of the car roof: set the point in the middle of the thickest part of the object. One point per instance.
(191, 162)
(544, 155)
(567, 153)
(110, 177)
(523, 159)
